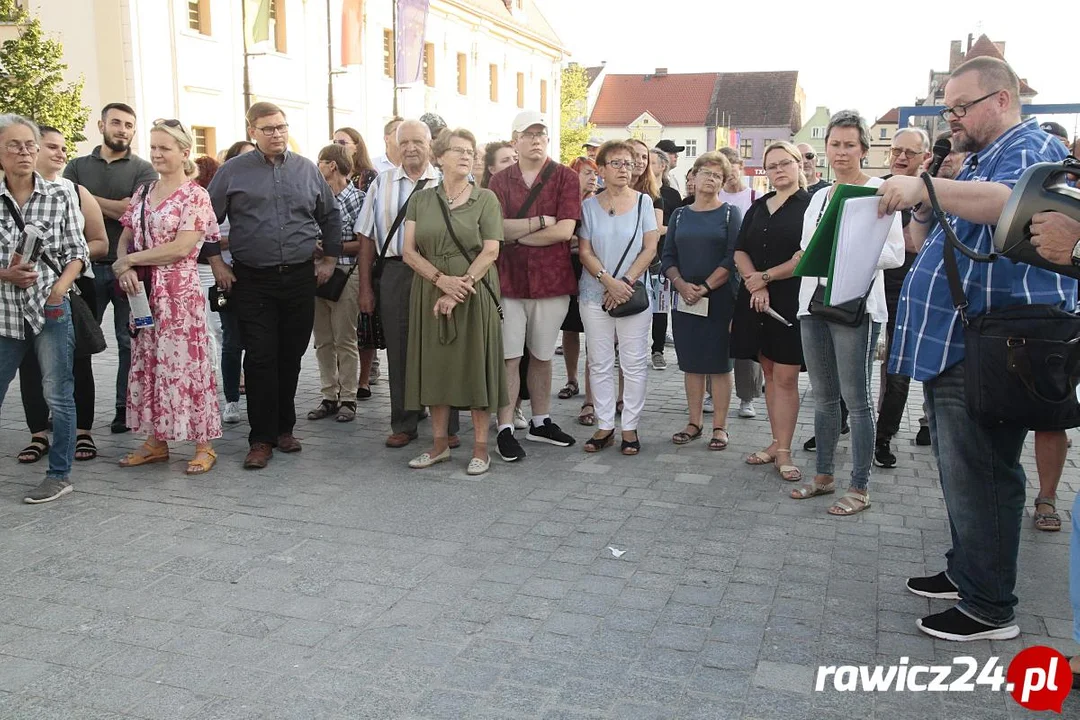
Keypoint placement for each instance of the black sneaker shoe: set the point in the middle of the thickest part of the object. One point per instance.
(50, 489)
(922, 439)
(935, 586)
(811, 444)
(955, 625)
(549, 433)
(845, 428)
(883, 455)
(510, 449)
(119, 423)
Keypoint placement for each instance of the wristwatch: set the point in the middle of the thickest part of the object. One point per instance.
(765, 277)
(1076, 254)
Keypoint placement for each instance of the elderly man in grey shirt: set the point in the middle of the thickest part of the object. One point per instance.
(278, 206)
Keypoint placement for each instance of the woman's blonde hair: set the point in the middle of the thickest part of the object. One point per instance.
(646, 183)
(785, 146)
(176, 130)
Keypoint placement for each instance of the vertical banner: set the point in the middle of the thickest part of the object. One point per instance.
(258, 13)
(722, 137)
(411, 19)
(352, 21)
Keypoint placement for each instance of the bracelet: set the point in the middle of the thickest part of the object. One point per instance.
(601, 274)
(542, 223)
(435, 278)
(471, 278)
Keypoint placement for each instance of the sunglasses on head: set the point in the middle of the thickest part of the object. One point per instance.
(169, 122)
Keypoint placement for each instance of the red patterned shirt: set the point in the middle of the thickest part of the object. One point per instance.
(538, 272)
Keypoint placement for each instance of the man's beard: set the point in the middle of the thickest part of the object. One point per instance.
(116, 145)
(967, 143)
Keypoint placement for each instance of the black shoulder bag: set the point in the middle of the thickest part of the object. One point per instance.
(465, 254)
(639, 299)
(1021, 363)
(534, 191)
(89, 338)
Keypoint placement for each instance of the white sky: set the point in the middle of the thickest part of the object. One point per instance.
(848, 54)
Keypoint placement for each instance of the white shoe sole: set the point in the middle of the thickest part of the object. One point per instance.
(549, 441)
(57, 496)
(954, 595)
(1002, 633)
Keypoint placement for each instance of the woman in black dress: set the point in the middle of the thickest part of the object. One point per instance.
(766, 255)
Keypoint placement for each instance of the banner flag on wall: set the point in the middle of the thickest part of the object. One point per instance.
(352, 21)
(412, 17)
(259, 13)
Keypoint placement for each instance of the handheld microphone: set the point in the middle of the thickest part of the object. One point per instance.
(941, 150)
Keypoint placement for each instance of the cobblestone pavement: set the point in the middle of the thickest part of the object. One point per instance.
(339, 584)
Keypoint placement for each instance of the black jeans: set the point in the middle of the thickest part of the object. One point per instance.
(33, 392)
(894, 398)
(659, 332)
(275, 312)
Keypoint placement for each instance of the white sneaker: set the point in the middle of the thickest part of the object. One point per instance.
(520, 422)
(231, 415)
(707, 406)
(746, 409)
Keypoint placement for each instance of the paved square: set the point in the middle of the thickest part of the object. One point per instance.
(339, 584)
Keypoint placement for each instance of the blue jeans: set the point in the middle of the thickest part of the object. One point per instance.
(231, 355)
(1074, 569)
(55, 349)
(105, 292)
(983, 484)
(839, 360)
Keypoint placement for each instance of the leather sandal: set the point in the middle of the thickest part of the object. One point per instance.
(571, 389)
(850, 503)
(631, 447)
(596, 444)
(719, 443)
(346, 412)
(203, 461)
(789, 473)
(85, 447)
(682, 437)
(588, 418)
(37, 449)
(1047, 522)
(147, 454)
(812, 489)
(325, 409)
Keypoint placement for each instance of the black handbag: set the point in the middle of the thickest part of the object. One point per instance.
(639, 299)
(335, 285)
(89, 338)
(850, 314)
(1021, 363)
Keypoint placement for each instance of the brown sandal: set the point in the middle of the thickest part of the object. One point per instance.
(587, 418)
(719, 443)
(147, 454)
(203, 461)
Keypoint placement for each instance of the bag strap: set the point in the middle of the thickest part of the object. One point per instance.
(398, 220)
(633, 237)
(465, 253)
(21, 224)
(535, 191)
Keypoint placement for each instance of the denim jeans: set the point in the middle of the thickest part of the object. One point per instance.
(232, 351)
(105, 292)
(839, 360)
(983, 484)
(55, 349)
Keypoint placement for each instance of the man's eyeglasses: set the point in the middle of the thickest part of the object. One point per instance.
(533, 135)
(959, 111)
(782, 165)
(18, 148)
(810, 156)
(271, 130)
(620, 164)
(909, 154)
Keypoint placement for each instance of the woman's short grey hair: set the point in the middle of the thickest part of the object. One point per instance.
(850, 119)
(11, 120)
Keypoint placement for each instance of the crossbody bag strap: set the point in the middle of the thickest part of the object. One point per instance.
(21, 224)
(952, 269)
(633, 237)
(534, 192)
(399, 219)
(465, 253)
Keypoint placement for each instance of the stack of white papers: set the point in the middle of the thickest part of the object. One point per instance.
(860, 239)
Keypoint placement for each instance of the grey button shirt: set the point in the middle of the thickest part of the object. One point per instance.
(276, 211)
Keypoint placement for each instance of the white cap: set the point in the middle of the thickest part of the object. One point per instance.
(525, 120)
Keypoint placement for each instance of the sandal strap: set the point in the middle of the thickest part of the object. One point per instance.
(1051, 501)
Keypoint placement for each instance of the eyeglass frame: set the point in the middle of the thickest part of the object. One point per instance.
(462, 151)
(960, 111)
(906, 152)
(19, 148)
(628, 164)
(282, 129)
(785, 164)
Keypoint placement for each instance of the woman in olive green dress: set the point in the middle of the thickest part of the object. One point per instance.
(455, 355)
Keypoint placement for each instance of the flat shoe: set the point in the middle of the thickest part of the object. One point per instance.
(760, 458)
(203, 462)
(146, 455)
(425, 460)
(478, 466)
(812, 489)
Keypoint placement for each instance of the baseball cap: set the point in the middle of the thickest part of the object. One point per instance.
(435, 123)
(1055, 129)
(669, 146)
(593, 142)
(525, 120)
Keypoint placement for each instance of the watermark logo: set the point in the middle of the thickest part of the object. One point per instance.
(1039, 679)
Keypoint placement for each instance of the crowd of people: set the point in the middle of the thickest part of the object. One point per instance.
(473, 266)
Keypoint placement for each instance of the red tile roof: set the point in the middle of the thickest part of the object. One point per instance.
(757, 99)
(679, 99)
(985, 47)
(892, 117)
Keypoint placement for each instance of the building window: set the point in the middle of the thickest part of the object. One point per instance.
(199, 16)
(817, 133)
(388, 53)
(277, 25)
(521, 90)
(205, 140)
(821, 161)
(884, 134)
(691, 147)
(768, 142)
(746, 149)
(493, 83)
(543, 96)
(429, 64)
(462, 70)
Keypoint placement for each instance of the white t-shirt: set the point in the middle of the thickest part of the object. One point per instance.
(892, 256)
(742, 199)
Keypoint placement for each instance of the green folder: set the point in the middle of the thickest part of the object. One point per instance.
(819, 259)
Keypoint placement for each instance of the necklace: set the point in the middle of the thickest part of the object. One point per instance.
(452, 200)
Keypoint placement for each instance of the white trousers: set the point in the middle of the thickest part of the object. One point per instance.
(601, 331)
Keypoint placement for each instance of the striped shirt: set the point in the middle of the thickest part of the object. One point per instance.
(49, 208)
(385, 197)
(929, 336)
(350, 200)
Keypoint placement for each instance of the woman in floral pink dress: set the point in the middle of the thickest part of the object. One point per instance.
(172, 389)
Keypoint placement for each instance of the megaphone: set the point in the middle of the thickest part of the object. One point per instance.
(1043, 187)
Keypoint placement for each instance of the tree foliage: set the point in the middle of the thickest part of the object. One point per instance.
(32, 77)
(574, 126)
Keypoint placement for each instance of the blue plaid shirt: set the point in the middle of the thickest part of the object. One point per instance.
(929, 336)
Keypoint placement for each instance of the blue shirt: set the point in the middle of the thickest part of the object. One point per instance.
(608, 235)
(929, 336)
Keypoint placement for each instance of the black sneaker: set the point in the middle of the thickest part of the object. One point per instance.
(935, 586)
(845, 428)
(922, 439)
(549, 433)
(50, 489)
(883, 455)
(510, 449)
(811, 444)
(955, 625)
(119, 423)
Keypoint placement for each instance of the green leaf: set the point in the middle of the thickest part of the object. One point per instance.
(574, 127)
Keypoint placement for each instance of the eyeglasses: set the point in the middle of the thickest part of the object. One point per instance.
(620, 164)
(462, 151)
(169, 122)
(909, 154)
(810, 156)
(271, 130)
(959, 111)
(782, 165)
(18, 148)
(533, 135)
(703, 173)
